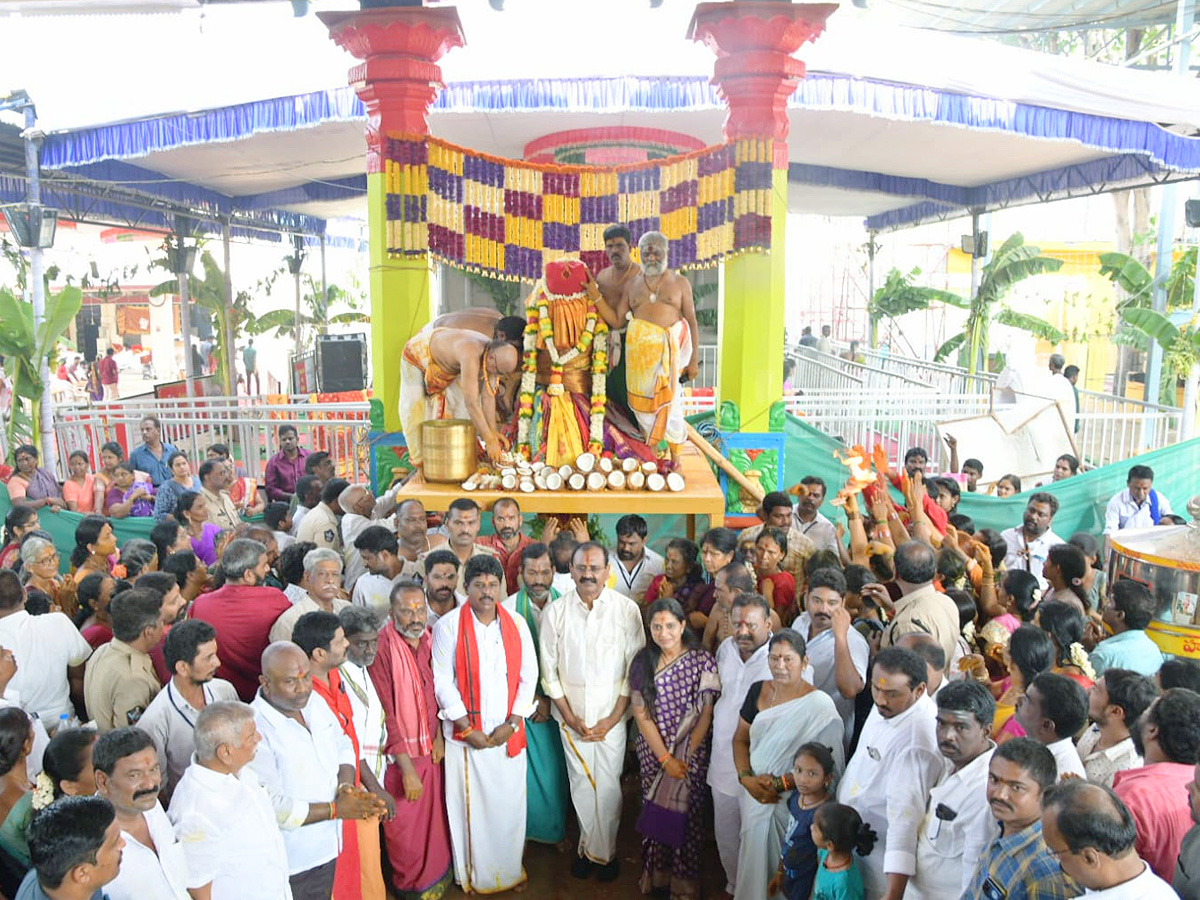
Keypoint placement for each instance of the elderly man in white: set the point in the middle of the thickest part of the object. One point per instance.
(223, 815)
(485, 671)
(323, 583)
(306, 762)
(588, 639)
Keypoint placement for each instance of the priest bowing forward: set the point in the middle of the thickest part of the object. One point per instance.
(485, 670)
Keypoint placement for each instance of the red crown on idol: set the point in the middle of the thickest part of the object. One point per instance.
(566, 278)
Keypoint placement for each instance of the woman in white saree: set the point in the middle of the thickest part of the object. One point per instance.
(778, 716)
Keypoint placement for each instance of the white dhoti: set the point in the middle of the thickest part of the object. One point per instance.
(485, 803)
(594, 771)
(654, 357)
(427, 391)
(727, 824)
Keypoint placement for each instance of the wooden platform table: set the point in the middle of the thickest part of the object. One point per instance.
(701, 496)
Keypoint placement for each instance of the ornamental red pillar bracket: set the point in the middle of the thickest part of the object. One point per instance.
(755, 71)
(398, 77)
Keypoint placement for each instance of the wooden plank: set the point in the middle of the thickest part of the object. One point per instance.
(701, 496)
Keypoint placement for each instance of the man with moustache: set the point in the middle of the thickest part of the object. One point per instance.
(588, 640)
(417, 839)
(741, 662)
(636, 564)
(441, 585)
(807, 514)
(360, 510)
(895, 765)
(463, 519)
(323, 583)
(546, 774)
(485, 670)
(614, 281)
(321, 637)
(361, 628)
(75, 847)
(307, 764)
(662, 343)
(1017, 864)
(837, 653)
(412, 531)
(508, 541)
(170, 719)
(1168, 738)
(1030, 542)
(380, 554)
(119, 681)
(956, 826)
(127, 775)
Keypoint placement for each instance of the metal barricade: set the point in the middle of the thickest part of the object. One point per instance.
(248, 425)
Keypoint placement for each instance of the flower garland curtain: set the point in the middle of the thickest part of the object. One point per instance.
(507, 218)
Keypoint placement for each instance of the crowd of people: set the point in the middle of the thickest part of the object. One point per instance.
(349, 696)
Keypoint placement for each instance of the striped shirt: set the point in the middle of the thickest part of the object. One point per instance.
(1020, 867)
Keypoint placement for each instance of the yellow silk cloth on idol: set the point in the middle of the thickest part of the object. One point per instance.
(417, 352)
(562, 436)
(651, 373)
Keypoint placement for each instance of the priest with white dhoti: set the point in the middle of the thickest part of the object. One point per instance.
(485, 670)
(587, 639)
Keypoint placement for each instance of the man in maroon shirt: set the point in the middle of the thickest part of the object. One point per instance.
(1167, 737)
(286, 466)
(242, 611)
(109, 375)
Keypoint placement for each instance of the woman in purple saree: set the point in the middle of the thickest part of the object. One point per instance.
(674, 685)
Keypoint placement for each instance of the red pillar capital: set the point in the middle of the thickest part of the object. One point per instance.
(398, 77)
(754, 41)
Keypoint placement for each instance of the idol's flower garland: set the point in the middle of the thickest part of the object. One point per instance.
(540, 326)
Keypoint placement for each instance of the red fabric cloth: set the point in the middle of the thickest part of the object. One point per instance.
(347, 881)
(937, 516)
(784, 596)
(158, 656)
(510, 561)
(108, 370)
(96, 635)
(404, 681)
(1157, 798)
(243, 617)
(417, 840)
(466, 668)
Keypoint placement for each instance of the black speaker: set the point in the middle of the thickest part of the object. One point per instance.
(341, 362)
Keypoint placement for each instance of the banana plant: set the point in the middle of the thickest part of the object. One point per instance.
(899, 294)
(1181, 352)
(25, 348)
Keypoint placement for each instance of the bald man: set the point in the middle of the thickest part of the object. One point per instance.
(361, 509)
(308, 765)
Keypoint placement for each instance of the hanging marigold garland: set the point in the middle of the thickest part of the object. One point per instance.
(539, 329)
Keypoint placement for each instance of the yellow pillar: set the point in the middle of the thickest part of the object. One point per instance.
(400, 302)
(750, 372)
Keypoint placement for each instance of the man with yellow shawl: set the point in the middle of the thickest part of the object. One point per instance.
(661, 342)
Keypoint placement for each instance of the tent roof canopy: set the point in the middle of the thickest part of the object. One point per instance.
(893, 126)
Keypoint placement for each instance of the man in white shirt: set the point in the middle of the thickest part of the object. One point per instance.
(306, 763)
(379, 553)
(485, 671)
(127, 775)
(1091, 833)
(50, 653)
(223, 816)
(1116, 702)
(893, 769)
(361, 629)
(1052, 711)
(838, 653)
(190, 652)
(361, 510)
(1030, 542)
(636, 563)
(323, 582)
(808, 518)
(1138, 506)
(588, 639)
(308, 495)
(741, 661)
(957, 824)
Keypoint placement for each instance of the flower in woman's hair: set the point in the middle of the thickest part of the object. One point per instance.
(1079, 659)
(1037, 596)
(118, 571)
(43, 791)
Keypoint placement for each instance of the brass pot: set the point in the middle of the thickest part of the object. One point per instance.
(450, 449)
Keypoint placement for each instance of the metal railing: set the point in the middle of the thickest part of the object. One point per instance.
(1113, 429)
(939, 376)
(248, 425)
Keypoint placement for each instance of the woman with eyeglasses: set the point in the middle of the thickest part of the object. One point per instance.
(39, 564)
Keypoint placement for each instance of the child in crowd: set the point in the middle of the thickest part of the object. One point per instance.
(839, 832)
(1008, 485)
(812, 773)
(778, 586)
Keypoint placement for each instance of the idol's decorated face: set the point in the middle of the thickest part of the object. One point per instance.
(566, 278)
